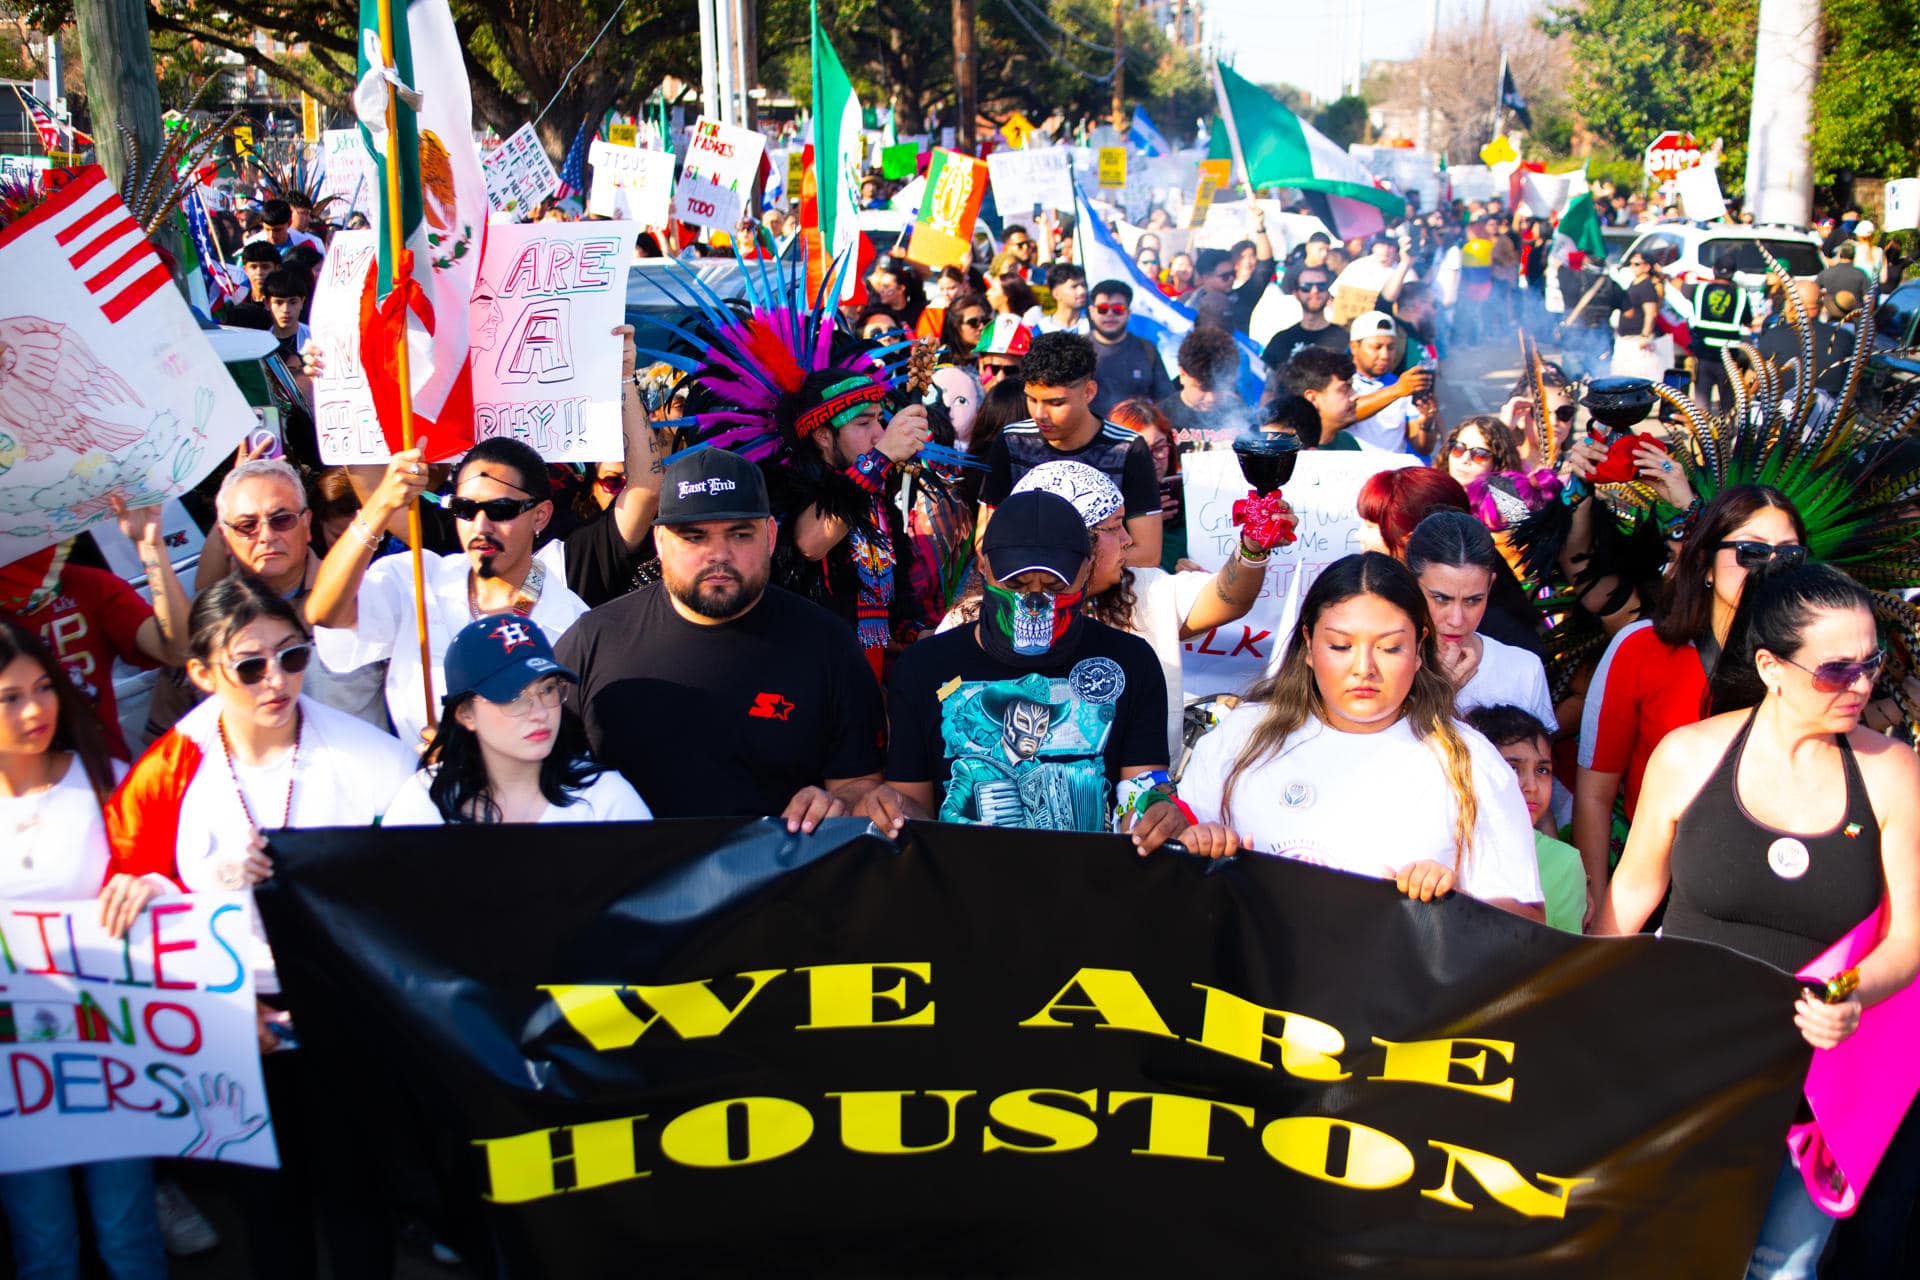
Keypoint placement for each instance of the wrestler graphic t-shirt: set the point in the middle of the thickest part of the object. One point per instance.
(1038, 748)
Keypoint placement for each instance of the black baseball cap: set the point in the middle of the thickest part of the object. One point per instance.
(712, 484)
(498, 657)
(1036, 530)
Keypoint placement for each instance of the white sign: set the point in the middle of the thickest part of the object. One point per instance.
(519, 174)
(346, 174)
(134, 1048)
(1322, 492)
(1699, 192)
(109, 387)
(630, 183)
(545, 363)
(721, 165)
(1026, 180)
(25, 170)
(1902, 212)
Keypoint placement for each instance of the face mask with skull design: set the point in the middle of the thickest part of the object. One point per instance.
(1026, 626)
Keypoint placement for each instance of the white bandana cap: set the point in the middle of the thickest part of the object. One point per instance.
(1092, 493)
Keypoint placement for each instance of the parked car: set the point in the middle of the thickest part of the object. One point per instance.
(1893, 370)
(1686, 252)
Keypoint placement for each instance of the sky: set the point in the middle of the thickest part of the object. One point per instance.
(1300, 42)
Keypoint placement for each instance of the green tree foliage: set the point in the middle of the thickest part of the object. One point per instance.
(1344, 120)
(1866, 107)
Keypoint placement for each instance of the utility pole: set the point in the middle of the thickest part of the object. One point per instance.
(1119, 67)
(122, 89)
(966, 83)
(1786, 62)
(746, 36)
(711, 104)
(1424, 134)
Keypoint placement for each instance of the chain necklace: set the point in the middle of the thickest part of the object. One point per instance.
(525, 597)
(230, 874)
(23, 826)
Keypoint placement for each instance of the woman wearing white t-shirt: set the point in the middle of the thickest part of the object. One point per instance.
(507, 750)
(1349, 757)
(1457, 563)
(54, 773)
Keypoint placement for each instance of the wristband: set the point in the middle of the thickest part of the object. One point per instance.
(869, 470)
(1254, 555)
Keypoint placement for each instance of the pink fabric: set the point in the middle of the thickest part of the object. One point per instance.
(1860, 1090)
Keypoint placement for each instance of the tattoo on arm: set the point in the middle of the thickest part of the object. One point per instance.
(1228, 572)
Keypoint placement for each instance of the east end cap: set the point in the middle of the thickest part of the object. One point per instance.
(498, 657)
(1036, 530)
(712, 484)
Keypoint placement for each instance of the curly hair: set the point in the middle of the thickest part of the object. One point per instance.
(1499, 438)
(1058, 360)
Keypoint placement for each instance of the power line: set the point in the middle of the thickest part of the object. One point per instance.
(1057, 56)
(564, 80)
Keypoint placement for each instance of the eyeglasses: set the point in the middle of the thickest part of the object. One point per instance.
(1755, 555)
(1110, 308)
(546, 695)
(612, 483)
(1840, 675)
(248, 527)
(498, 510)
(1316, 286)
(251, 671)
(1458, 450)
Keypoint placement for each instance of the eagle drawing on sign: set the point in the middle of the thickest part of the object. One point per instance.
(51, 388)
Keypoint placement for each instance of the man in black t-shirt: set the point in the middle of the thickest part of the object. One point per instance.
(1126, 365)
(1060, 387)
(714, 693)
(1313, 289)
(1036, 716)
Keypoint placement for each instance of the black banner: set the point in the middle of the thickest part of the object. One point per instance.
(711, 1047)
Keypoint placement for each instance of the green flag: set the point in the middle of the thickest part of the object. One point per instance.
(1275, 148)
(836, 151)
(1578, 231)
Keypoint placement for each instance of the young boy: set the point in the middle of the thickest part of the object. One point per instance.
(1524, 743)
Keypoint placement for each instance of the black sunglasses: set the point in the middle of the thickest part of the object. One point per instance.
(498, 510)
(293, 660)
(1754, 555)
(1840, 675)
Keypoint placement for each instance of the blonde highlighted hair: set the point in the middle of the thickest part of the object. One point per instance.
(1291, 695)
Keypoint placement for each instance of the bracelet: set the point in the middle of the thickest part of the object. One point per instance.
(366, 535)
(1254, 557)
(1841, 985)
(1678, 527)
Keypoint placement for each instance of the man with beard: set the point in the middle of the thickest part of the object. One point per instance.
(362, 609)
(714, 693)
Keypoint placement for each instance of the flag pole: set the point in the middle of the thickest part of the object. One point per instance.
(395, 246)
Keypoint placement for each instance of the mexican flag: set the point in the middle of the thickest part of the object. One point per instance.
(1577, 235)
(1272, 147)
(425, 292)
(836, 151)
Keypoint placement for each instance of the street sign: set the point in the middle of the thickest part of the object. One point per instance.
(1670, 153)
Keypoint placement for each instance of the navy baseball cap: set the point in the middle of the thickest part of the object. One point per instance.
(712, 484)
(498, 657)
(1036, 530)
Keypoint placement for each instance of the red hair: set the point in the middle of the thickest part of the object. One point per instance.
(1139, 415)
(1400, 499)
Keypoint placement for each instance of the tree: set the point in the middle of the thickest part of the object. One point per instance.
(1866, 114)
(1461, 75)
(1344, 120)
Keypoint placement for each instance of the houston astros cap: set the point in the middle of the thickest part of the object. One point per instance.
(497, 657)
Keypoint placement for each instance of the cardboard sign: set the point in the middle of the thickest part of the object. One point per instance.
(622, 135)
(110, 388)
(347, 173)
(1699, 192)
(1113, 166)
(630, 183)
(902, 160)
(1322, 492)
(1902, 210)
(721, 164)
(1039, 178)
(131, 1048)
(1214, 174)
(519, 175)
(943, 233)
(546, 366)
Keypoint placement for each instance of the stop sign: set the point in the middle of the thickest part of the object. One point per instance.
(1670, 153)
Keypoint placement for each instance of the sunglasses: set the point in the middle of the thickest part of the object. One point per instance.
(498, 510)
(248, 527)
(1317, 286)
(998, 370)
(1840, 675)
(1755, 555)
(1565, 413)
(612, 484)
(293, 660)
(973, 322)
(1110, 308)
(1458, 450)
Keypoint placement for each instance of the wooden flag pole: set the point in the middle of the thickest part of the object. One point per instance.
(396, 244)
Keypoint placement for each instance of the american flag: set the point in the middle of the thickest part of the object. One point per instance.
(573, 175)
(107, 249)
(221, 287)
(48, 128)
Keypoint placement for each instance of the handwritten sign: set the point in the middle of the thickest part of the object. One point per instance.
(347, 172)
(519, 175)
(1034, 179)
(133, 1048)
(1214, 174)
(722, 162)
(622, 135)
(631, 183)
(1902, 212)
(343, 416)
(1322, 492)
(943, 232)
(109, 387)
(1113, 166)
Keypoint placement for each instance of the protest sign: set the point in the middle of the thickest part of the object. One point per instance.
(722, 162)
(1414, 1089)
(1699, 192)
(1039, 178)
(1113, 166)
(145, 1046)
(24, 170)
(630, 183)
(623, 135)
(1214, 174)
(1902, 211)
(519, 175)
(546, 366)
(902, 160)
(943, 231)
(346, 173)
(1322, 493)
(109, 387)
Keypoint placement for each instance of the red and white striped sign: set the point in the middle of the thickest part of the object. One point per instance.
(95, 230)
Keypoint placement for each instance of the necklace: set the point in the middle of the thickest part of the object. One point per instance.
(525, 596)
(22, 826)
(230, 874)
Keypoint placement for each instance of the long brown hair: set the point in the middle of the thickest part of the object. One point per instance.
(78, 727)
(1686, 606)
(1292, 695)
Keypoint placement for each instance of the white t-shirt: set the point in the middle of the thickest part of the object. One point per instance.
(53, 843)
(1161, 603)
(385, 628)
(1508, 676)
(1368, 275)
(608, 798)
(1387, 429)
(1044, 322)
(1367, 803)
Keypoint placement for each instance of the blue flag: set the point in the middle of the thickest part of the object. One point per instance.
(1145, 138)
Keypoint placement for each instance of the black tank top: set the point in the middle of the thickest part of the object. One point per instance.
(1774, 895)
